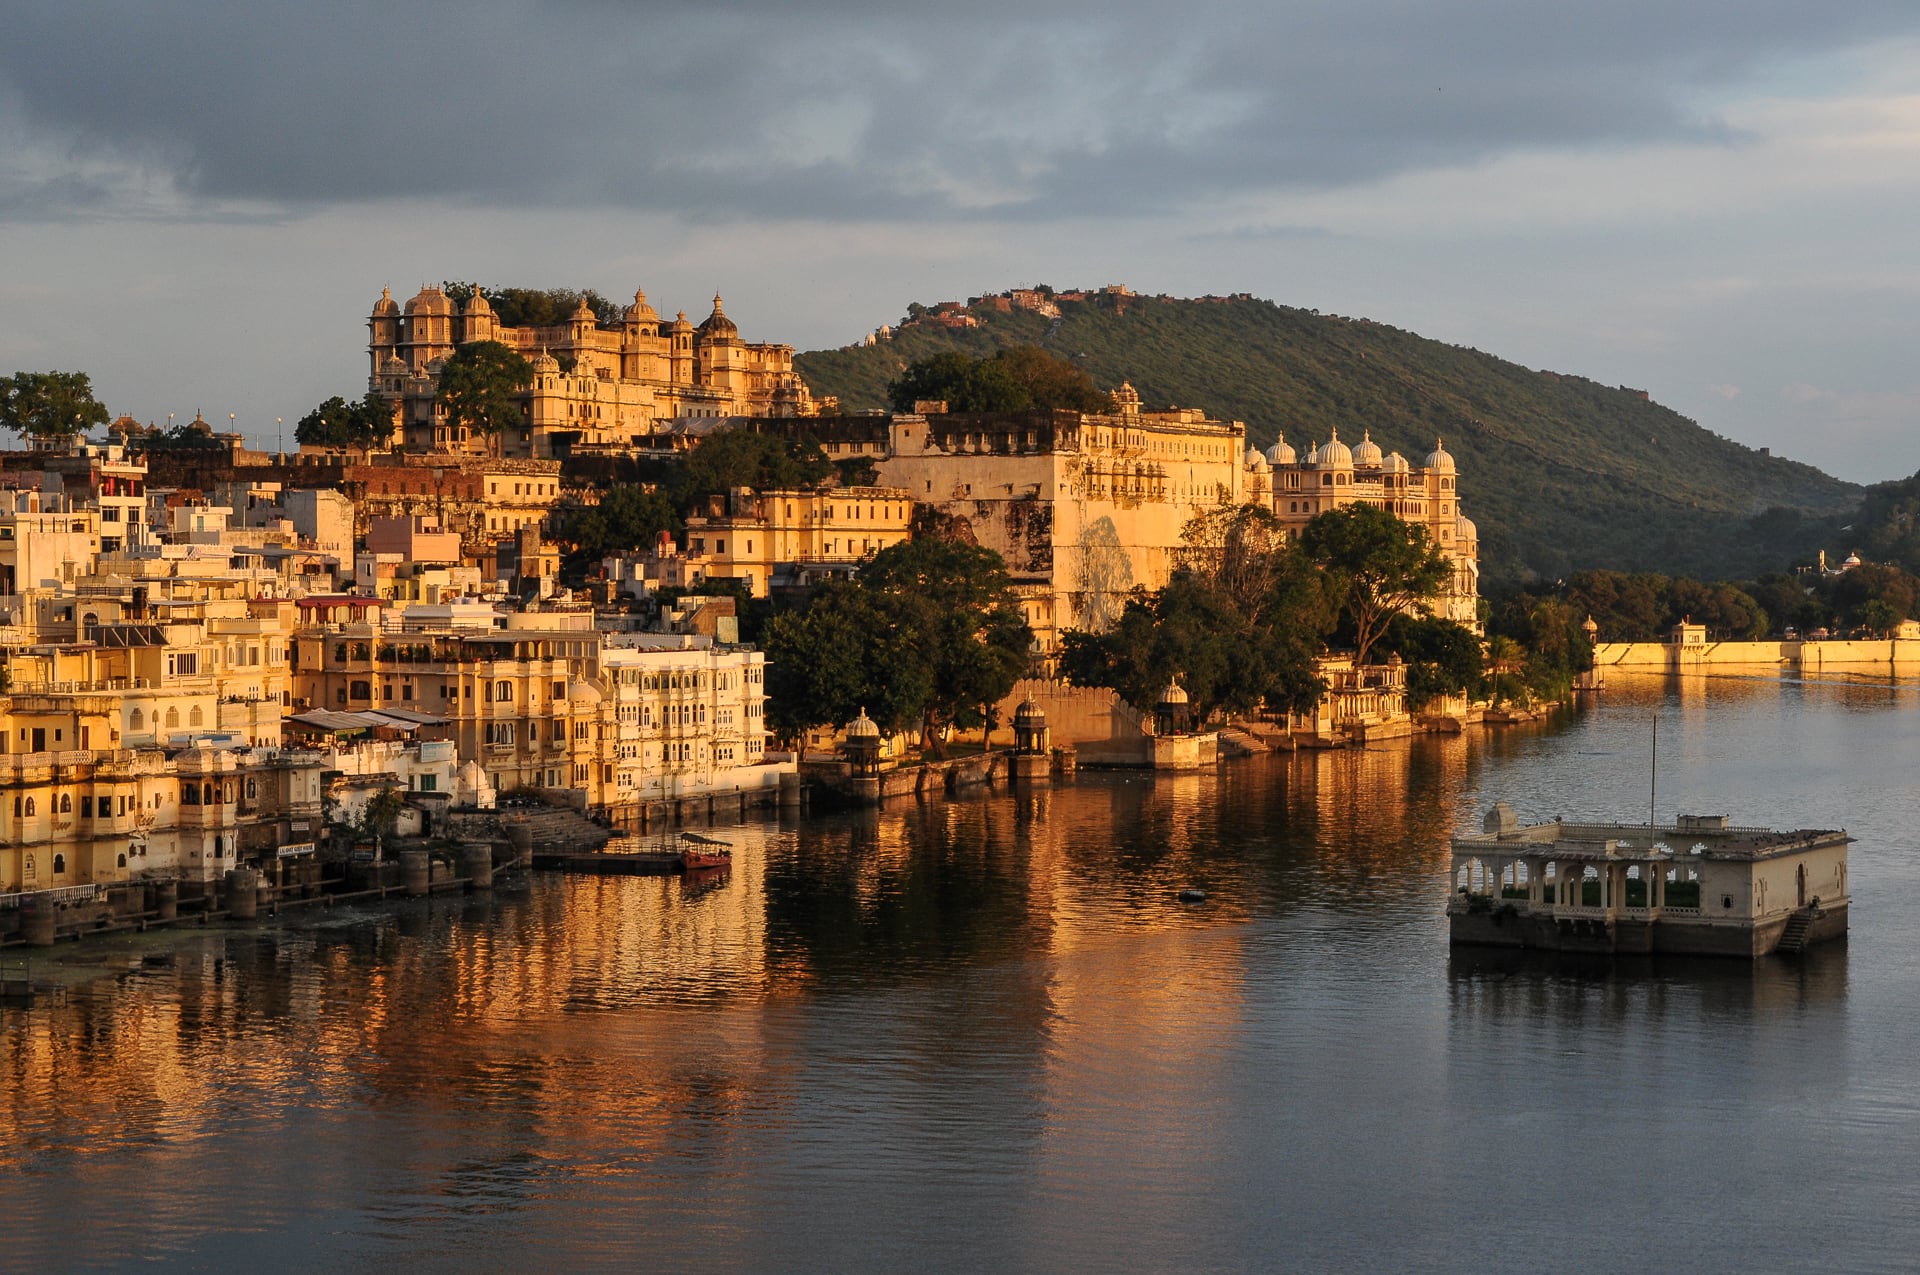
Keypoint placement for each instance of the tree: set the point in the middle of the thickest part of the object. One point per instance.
(930, 631)
(731, 458)
(480, 386)
(627, 517)
(1051, 382)
(49, 406)
(954, 607)
(338, 423)
(838, 656)
(1020, 378)
(1381, 565)
(1239, 624)
(536, 307)
(1441, 657)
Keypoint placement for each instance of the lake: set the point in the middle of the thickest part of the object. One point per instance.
(985, 1035)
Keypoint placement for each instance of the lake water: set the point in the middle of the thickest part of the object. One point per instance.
(984, 1035)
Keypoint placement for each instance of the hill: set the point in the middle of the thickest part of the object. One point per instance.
(1560, 473)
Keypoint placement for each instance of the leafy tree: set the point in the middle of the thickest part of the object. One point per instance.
(480, 387)
(49, 406)
(839, 655)
(627, 517)
(857, 471)
(930, 631)
(1019, 379)
(538, 307)
(338, 423)
(1051, 382)
(1381, 565)
(1879, 616)
(1441, 657)
(955, 607)
(187, 437)
(1851, 596)
(1239, 624)
(731, 458)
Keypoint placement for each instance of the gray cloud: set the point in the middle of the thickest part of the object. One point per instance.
(913, 111)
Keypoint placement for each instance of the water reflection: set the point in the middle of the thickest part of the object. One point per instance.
(881, 1028)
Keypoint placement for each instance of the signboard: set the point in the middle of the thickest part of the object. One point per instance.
(295, 849)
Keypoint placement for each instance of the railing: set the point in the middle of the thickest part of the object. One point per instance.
(60, 894)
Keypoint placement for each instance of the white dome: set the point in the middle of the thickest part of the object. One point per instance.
(863, 727)
(1439, 459)
(1335, 454)
(1280, 453)
(1259, 464)
(1395, 463)
(1253, 457)
(1368, 452)
(1463, 529)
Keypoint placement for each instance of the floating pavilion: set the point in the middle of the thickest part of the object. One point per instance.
(1701, 886)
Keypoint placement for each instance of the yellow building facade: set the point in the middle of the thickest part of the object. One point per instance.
(594, 387)
(1331, 475)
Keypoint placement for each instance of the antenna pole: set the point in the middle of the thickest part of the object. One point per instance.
(1653, 772)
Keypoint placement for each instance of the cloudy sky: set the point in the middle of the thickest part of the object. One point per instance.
(1714, 200)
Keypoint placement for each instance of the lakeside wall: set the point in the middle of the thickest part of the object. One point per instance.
(1898, 657)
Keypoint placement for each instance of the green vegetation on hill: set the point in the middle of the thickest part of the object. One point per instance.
(1558, 472)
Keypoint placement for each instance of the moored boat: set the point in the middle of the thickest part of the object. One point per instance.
(698, 852)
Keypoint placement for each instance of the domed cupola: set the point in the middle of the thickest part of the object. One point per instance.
(1463, 529)
(1335, 454)
(1395, 463)
(1438, 459)
(545, 364)
(640, 311)
(478, 305)
(1367, 454)
(386, 307)
(1280, 453)
(1126, 399)
(718, 326)
(429, 301)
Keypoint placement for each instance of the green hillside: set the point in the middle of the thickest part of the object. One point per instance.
(1558, 472)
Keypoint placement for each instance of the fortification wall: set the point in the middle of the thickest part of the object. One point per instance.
(1885, 655)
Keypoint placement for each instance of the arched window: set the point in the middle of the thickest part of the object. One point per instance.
(206, 794)
(173, 719)
(59, 864)
(123, 860)
(195, 718)
(30, 815)
(138, 721)
(66, 803)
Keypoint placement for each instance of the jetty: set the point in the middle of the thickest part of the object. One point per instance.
(1699, 886)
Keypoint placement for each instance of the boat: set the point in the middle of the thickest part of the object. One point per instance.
(698, 852)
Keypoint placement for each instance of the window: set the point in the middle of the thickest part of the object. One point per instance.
(86, 807)
(429, 783)
(66, 804)
(503, 692)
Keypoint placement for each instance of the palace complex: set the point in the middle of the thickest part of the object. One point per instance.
(594, 387)
(214, 656)
(1332, 475)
